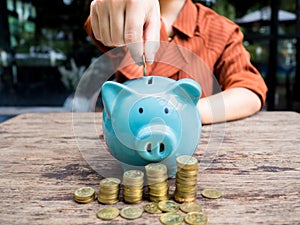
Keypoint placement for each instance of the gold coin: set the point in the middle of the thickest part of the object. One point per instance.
(160, 185)
(158, 198)
(158, 191)
(133, 174)
(108, 213)
(186, 183)
(195, 218)
(133, 188)
(84, 192)
(131, 212)
(155, 169)
(186, 178)
(186, 161)
(184, 199)
(190, 207)
(184, 194)
(131, 193)
(156, 180)
(133, 183)
(211, 193)
(159, 194)
(84, 201)
(152, 208)
(107, 201)
(109, 188)
(186, 188)
(168, 206)
(132, 201)
(171, 218)
(109, 193)
(133, 178)
(76, 198)
(109, 182)
(108, 197)
(187, 173)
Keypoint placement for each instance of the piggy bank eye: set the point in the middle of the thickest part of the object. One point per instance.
(141, 110)
(166, 110)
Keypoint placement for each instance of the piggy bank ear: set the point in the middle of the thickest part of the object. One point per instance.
(190, 87)
(110, 91)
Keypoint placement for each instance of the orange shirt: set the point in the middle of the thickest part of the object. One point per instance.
(206, 47)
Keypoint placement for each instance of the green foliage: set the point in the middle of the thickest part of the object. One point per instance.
(225, 9)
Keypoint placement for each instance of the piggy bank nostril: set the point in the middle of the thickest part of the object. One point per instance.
(149, 147)
(161, 147)
(166, 110)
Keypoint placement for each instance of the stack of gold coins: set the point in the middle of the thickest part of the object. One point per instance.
(157, 179)
(186, 179)
(84, 195)
(109, 191)
(133, 184)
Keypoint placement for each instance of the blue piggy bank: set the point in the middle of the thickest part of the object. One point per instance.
(151, 119)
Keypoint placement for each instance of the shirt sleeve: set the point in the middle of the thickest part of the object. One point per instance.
(234, 68)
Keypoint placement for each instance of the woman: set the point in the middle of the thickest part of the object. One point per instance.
(144, 26)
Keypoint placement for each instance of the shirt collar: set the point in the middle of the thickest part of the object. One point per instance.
(186, 20)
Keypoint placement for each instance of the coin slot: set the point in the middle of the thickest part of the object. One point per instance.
(150, 80)
(161, 147)
(149, 147)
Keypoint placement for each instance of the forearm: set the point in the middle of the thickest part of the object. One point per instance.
(231, 104)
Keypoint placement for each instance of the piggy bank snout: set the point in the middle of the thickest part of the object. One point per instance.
(155, 142)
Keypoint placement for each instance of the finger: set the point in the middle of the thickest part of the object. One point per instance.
(151, 47)
(152, 33)
(136, 52)
(100, 22)
(104, 24)
(117, 24)
(95, 20)
(133, 31)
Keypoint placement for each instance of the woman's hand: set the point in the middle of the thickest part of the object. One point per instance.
(135, 23)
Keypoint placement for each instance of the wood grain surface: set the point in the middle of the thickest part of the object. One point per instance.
(44, 158)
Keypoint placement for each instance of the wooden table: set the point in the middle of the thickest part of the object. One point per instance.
(255, 162)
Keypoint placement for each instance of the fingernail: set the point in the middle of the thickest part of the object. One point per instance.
(139, 63)
(150, 59)
(149, 62)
